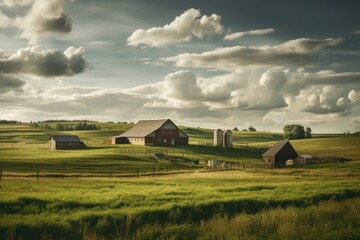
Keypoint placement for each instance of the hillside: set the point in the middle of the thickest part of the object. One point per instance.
(24, 148)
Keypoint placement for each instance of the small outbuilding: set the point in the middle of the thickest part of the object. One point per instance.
(278, 154)
(65, 142)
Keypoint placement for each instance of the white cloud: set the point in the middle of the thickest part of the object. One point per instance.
(326, 100)
(186, 26)
(354, 96)
(183, 85)
(298, 52)
(236, 35)
(44, 18)
(44, 63)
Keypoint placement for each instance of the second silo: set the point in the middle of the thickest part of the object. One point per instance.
(227, 139)
(218, 138)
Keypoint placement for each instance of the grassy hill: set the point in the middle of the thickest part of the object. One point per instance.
(24, 148)
(250, 203)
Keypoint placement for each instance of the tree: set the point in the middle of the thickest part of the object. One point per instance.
(308, 132)
(59, 127)
(236, 129)
(252, 129)
(294, 131)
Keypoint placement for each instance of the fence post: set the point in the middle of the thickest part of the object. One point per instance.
(37, 175)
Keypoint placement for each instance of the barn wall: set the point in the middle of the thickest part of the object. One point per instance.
(69, 145)
(136, 140)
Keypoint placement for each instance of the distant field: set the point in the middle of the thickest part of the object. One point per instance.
(22, 149)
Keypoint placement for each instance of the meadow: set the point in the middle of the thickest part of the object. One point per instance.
(79, 200)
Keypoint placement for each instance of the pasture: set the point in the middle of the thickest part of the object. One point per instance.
(306, 202)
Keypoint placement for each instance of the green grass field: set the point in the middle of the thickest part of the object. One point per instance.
(306, 202)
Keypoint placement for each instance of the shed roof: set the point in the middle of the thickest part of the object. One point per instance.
(276, 148)
(65, 138)
(145, 127)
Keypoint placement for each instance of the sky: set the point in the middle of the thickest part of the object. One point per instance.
(205, 63)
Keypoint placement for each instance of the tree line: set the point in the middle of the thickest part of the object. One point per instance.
(64, 127)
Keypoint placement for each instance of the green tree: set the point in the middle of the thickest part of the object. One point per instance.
(294, 131)
(308, 133)
(252, 129)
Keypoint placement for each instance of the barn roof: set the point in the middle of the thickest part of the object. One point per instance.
(276, 148)
(65, 138)
(145, 127)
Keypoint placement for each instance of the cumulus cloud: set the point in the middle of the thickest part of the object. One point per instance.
(354, 96)
(186, 26)
(236, 35)
(298, 52)
(328, 100)
(44, 63)
(183, 85)
(44, 18)
(356, 121)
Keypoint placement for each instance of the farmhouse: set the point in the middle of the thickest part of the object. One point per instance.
(153, 132)
(64, 142)
(279, 154)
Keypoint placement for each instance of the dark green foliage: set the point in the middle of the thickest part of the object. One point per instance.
(296, 131)
(252, 129)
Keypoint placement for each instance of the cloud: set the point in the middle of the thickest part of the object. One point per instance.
(5, 21)
(184, 27)
(354, 96)
(356, 121)
(8, 83)
(298, 52)
(15, 3)
(183, 85)
(44, 18)
(44, 63)
(356, 32)
(236, 35)
(328, 100)
(331, 77)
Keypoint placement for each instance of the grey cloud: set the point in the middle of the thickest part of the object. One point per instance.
(44, 18)
(298, 52)
(45, 63)
(8, 83)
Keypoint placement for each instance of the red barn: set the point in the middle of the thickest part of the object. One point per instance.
(153, 132)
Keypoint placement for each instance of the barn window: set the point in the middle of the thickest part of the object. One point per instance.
(164, 140)
(170, 132)
(162, 132)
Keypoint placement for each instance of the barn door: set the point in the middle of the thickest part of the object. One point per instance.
(172, 141)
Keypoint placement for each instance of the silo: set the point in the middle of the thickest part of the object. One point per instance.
(218, 138)
(227, 139)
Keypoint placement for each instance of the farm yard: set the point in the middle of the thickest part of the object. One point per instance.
(76, 197)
